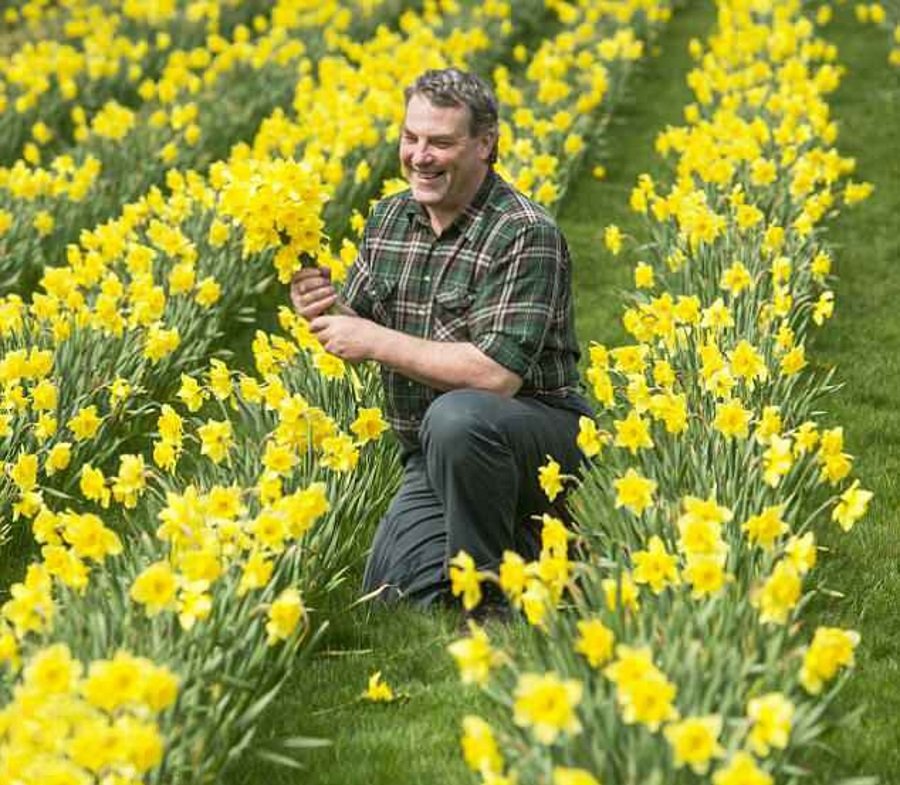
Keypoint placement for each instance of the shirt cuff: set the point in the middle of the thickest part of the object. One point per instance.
(506, 351)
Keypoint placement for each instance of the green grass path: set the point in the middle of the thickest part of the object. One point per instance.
(416, 740)
(863, 341)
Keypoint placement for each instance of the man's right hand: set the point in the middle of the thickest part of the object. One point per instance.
(312, 292)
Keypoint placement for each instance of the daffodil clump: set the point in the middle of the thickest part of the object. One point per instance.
(170, 114)
(251, 514)
(673, 651)
(72, 722)
(556, 106)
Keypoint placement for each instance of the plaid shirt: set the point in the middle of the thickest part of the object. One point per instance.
(498, 277)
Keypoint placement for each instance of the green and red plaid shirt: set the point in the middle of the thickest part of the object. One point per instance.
(498, 277)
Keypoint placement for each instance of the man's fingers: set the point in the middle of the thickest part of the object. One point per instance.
(311, 290)
(318, 324)
(311, 294)
(318, 299)
(311, 311)
(311, 274)
(317, 291)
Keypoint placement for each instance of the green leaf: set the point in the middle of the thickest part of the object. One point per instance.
(857, 781)
(279, 760)
(305, 742)
(259, 706)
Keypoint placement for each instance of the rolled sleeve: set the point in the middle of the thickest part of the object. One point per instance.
(516, 302)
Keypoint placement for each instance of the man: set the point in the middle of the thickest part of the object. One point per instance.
(462, 292)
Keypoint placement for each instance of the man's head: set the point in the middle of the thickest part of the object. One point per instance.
(449, 138)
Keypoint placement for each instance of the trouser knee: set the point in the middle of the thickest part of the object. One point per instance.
(456, 421)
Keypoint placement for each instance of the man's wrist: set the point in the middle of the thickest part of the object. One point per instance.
(379, 336)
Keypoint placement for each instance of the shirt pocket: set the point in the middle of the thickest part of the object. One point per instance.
(382, 293)
(450, 320)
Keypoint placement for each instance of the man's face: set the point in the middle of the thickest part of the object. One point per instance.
(442, 162)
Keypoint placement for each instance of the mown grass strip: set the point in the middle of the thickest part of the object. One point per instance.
(862, 343)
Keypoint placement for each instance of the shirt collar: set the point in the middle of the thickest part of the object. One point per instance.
(469, 219)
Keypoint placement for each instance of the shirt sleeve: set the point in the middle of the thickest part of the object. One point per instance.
(356, 292)
(516, 302)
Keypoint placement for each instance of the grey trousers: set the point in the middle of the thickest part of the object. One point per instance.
(470, 486)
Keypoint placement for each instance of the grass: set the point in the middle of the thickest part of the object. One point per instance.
(862, 342)
(374, 742)
(416, 740)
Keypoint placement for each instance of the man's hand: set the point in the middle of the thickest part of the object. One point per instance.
(351, 338)
(442, 365)
(312, 292)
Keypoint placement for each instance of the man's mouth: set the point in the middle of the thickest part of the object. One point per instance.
(427, 175)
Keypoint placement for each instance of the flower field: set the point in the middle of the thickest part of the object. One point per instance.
(190, 482)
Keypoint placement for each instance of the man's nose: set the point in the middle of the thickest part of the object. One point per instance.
(421, 154)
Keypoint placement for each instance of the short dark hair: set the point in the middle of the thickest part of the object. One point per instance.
(453, 87)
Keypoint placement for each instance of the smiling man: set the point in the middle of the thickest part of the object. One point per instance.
(462, 293)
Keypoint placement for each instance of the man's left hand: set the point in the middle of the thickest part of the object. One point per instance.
(351, 338)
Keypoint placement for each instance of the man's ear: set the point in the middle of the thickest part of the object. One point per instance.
(486, 144)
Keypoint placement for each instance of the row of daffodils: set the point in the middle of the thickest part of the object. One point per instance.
(670, 640)
(76, 168)
(170, 604)
(191, 518)
(145, 297)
